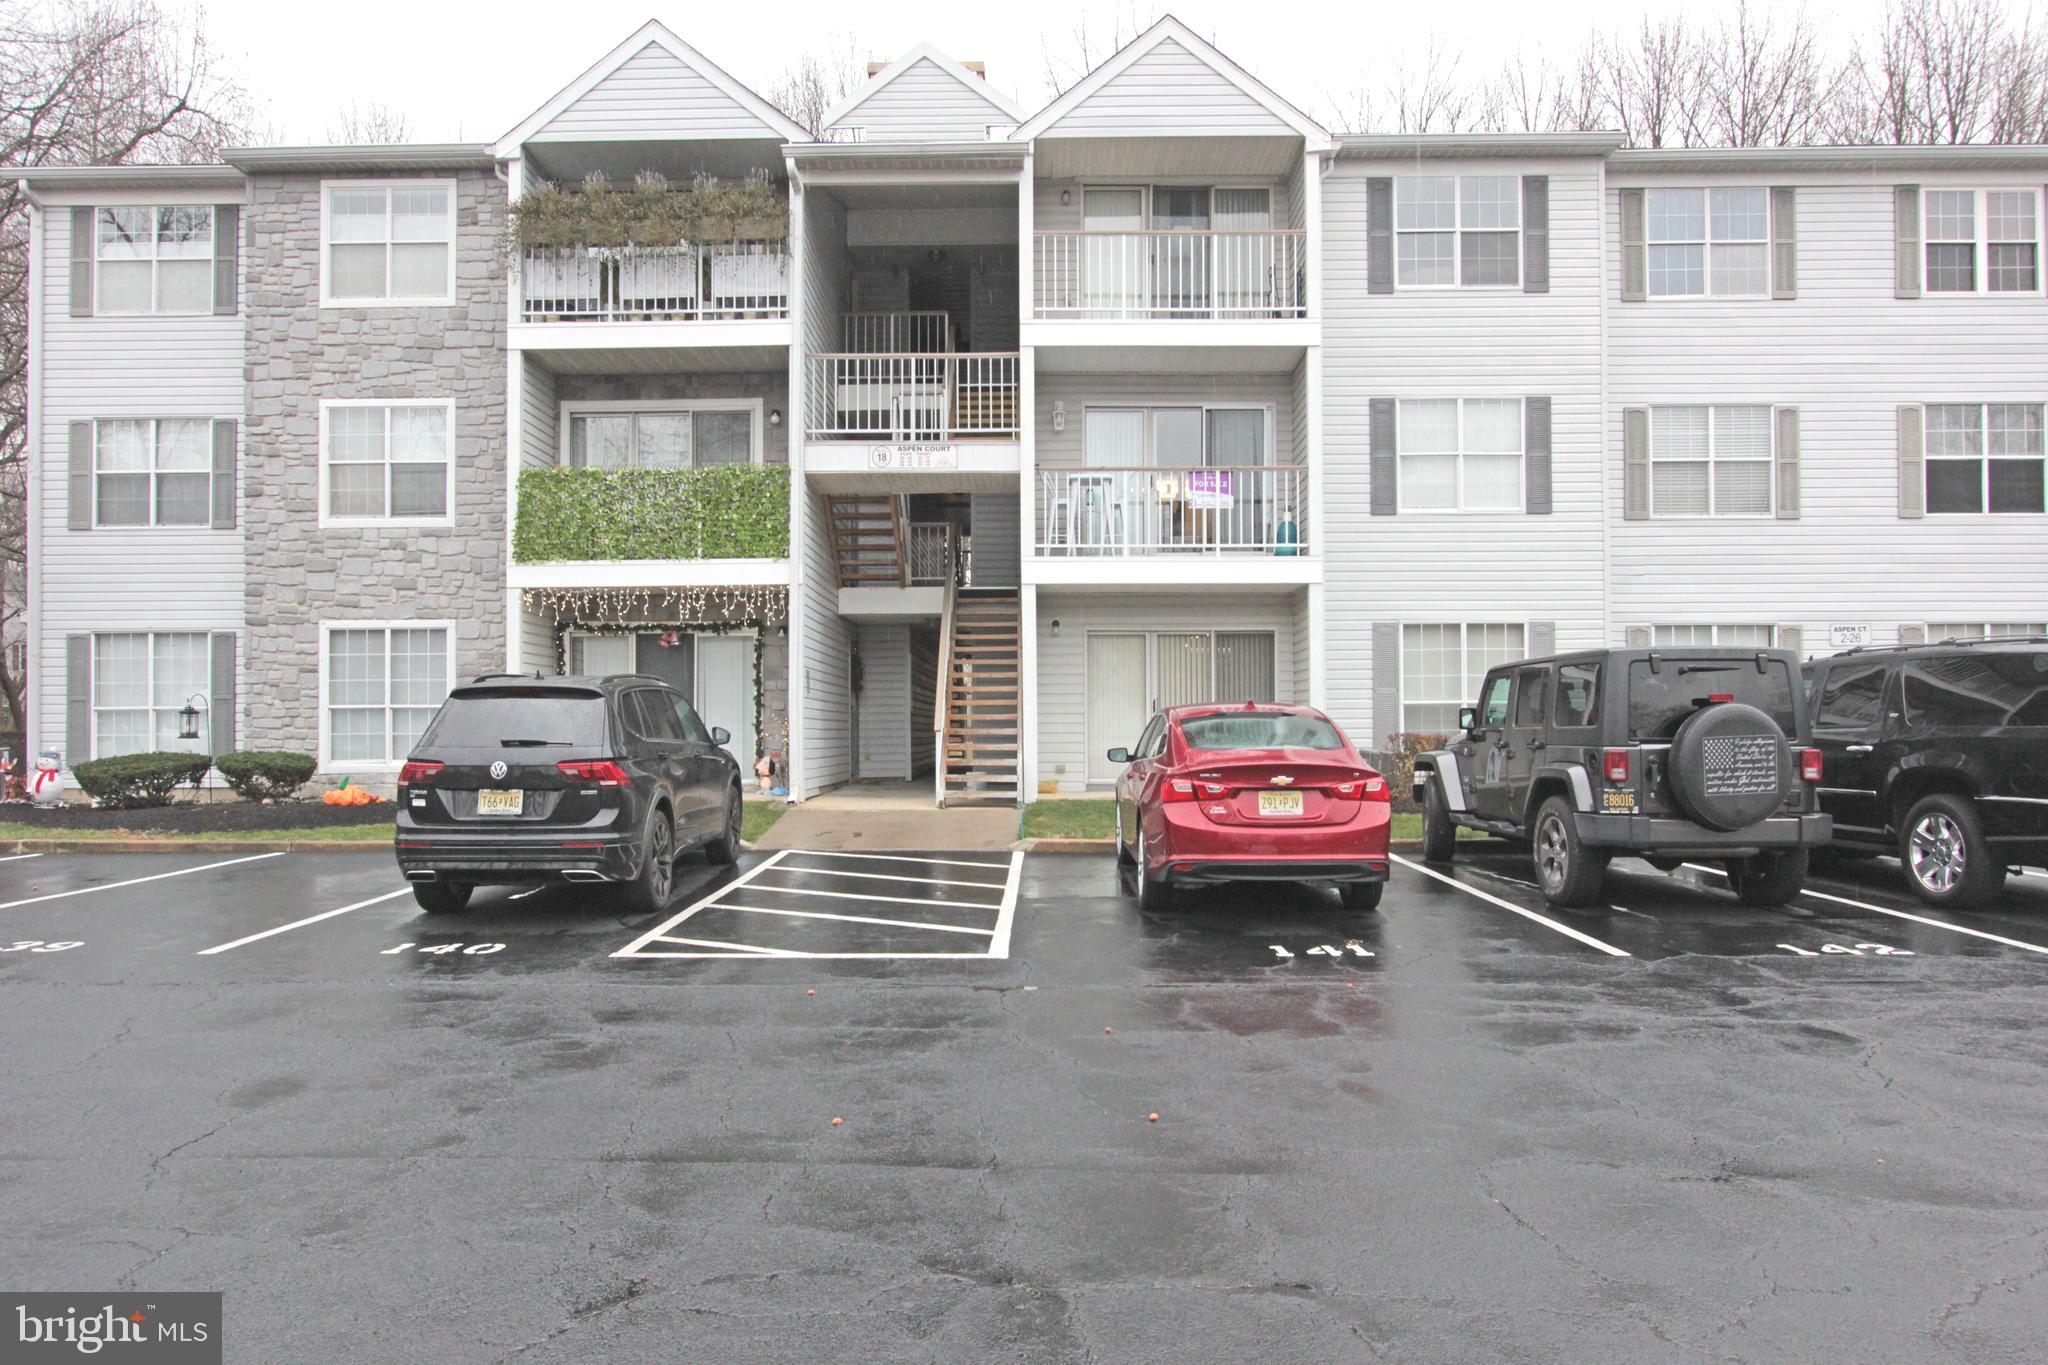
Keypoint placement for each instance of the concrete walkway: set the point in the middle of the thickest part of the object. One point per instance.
(891, 815)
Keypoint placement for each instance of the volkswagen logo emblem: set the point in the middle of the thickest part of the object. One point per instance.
(498, 768)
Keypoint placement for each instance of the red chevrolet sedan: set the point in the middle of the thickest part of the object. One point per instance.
(1250, 792)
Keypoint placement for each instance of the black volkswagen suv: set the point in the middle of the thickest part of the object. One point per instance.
(1938, 753)
(522, 779)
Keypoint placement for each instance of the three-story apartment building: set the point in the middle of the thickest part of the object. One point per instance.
(997, 428)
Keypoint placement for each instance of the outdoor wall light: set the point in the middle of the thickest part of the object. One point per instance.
(1059, 414)
(775, 417)
(188, 716)
(1055, 627)
(1066, 197)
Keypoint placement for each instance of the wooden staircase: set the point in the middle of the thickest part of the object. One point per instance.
(867, 536)
(983, 701)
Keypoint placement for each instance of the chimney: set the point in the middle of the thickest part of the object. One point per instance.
(874, 67)
(978, 68)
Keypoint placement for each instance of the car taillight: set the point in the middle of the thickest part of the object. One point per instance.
(415, 773)
(602, 771)
(1809, 765)
(1615, 765)
(1178, 789)
(1377, 790)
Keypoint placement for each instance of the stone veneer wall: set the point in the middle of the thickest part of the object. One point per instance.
(299, 353)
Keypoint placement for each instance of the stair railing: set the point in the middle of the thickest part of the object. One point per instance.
(943, 693)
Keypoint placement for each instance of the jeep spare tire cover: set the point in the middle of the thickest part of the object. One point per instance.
(1728, 766)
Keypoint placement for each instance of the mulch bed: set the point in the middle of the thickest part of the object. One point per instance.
(199, 817)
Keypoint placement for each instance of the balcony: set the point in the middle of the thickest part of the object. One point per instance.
(1171, 276)
(912, 397)
(1236, 510)
(729, 282)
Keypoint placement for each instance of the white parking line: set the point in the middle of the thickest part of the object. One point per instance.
(887, 877)
(137, 881)
(17, 857)
(856, 919)
(999, 946)
(633, 949)
(898, 858)
(1901, 914)
(862, 896)
(302, 923)
(731, 949)
(1490, 899)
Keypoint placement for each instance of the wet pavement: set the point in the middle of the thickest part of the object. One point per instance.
(1466, 1127)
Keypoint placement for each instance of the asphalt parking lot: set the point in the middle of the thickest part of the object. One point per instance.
(1463, 1128)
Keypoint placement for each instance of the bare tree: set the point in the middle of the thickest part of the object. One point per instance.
(84, 84)
(1089, 45)
(2019, 104)
(1526, 97)
(1648, 84)
(1419, 96)
(809, 87)
(369, 124)
(1936, 72)
(1763, 82)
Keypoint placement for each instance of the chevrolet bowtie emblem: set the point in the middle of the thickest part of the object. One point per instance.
(1283, 781)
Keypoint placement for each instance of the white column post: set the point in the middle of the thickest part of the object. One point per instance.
(1312, 397)
(1027, 503)
(793, 423)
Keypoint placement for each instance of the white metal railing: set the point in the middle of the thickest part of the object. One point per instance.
(1149, 275)
(931, 544)
(1133, 511)
(654, 283)
(912, 397)
(919, 333)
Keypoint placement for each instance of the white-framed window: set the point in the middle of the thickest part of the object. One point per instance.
(140, 682)
(1235, 435)
(386, 462)
(1709, 243)
(153, 258)
(1443, 665)
(380, 683)
(1984, 457)
(1711, 461)
(695, 434)
(387, 242)
(1740, 636)
(1455, 231)
(1937, 631)
(152, 471)
(1982, 241)
(1460, 454)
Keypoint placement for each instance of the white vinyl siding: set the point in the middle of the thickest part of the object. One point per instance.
(654, 94)
(1460, 454)
(387, 464)
(140, 683)
(387, 242)
(1170, 91)
(1982, 241)
(1452, 230)
(153, 472)
(380, 683)
(153, 258)
(924, 103)
(1710, 461)
(1442, 666)
(1984, 457)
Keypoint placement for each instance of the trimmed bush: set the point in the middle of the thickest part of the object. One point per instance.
(263, 775)
(132, 781)
(722, 512)
(1396, 762)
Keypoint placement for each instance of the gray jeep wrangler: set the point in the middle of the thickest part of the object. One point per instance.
(1669, 755)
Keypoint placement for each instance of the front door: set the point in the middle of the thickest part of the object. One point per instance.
(672, 663)
(1117, 697)
(1113, 257)
(725, 691)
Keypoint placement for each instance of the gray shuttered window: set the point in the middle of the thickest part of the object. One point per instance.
(1906, 241)
(1536, 234)
(77, 699)
(1792, 638)
(1385, 486)
(1536, 456)
(81, 262)
(1784, 242)
(1785, 455)
(227, 258)
(1635, 248)
(225, 433)
(1379, 235)
(1912, 635)
(1635, 464)
(221, 706)
(1386, 681)
(1542, 639)
(78, 487)
(1912, 461)
(1638, 637)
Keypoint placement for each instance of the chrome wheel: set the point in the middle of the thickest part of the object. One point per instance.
(1938, 855)
(661, 859)
(1553, 853)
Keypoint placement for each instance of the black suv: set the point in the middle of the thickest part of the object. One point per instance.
(1938, 753)
(528, 779)
(1665, 754)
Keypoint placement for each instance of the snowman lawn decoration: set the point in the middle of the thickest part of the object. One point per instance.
(46, 786)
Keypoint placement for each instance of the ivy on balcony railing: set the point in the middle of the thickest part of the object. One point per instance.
(728, 512)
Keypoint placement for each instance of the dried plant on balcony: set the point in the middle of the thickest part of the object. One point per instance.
(651, 212)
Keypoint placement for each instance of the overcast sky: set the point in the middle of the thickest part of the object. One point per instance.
(472, 71)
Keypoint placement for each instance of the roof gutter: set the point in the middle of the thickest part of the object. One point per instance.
(394, 156)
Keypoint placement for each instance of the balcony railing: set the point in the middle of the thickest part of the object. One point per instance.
(909, 397)
(1250, 509)
(930, 553)
(1223, 276)
(654, 283)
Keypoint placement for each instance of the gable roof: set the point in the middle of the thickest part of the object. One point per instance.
(939, 68)
(1169, 42)
(654, 52)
